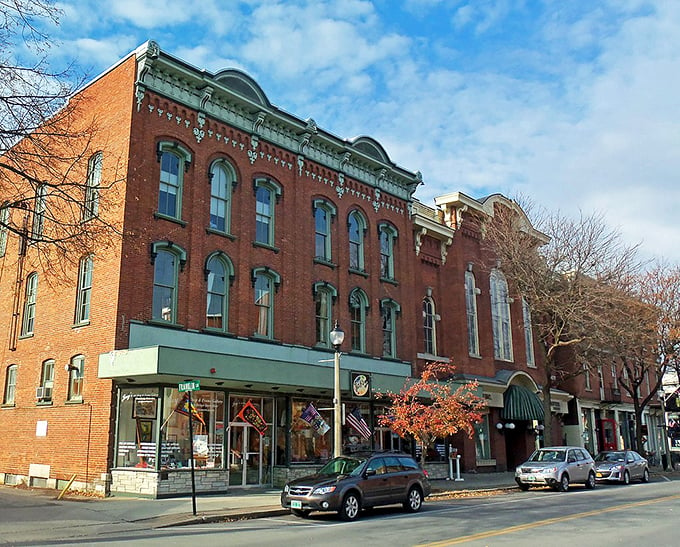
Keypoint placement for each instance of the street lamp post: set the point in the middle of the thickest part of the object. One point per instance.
(337, 337)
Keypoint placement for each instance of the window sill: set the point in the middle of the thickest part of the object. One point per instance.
(213, 231)
(432, 357)
(218, 332)
(475, 355)
(161, 216)
(389, 280)
(8, 405)
(44, 403)
(324, 262)
(74, 402)
(260, 338)
(167, 324)
(266, 246)
(82, 324)
(362, 273)
(25, 336)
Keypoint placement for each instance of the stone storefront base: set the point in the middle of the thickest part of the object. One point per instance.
(164, 484)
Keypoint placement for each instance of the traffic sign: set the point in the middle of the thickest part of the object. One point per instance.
(190, 385)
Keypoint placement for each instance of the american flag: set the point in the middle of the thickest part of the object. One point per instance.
(356, 420)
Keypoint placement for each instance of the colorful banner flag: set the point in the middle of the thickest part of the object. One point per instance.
(357, 422)
(313, 418)
(183, 408)
(251, 415)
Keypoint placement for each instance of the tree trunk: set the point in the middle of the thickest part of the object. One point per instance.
(547, 415)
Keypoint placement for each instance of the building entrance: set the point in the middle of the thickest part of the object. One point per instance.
(250, 454)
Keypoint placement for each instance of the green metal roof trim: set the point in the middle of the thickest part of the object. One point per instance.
(521, 404)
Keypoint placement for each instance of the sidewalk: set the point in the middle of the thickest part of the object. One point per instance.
(236, 504)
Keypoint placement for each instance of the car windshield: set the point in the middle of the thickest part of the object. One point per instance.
(341, 466)
(548, 456)
(611, 457)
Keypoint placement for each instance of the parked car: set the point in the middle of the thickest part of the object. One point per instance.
(558, 467)
(621, 466)
(349, 484)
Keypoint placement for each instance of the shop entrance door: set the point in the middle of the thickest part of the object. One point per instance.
(250, 454)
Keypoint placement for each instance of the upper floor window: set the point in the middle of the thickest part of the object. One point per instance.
(429, 331)
(76, 369)
(175, 161)
(222, 180)
(323, 215)
(388, 315)
(30, 294)
(615, 377)
(10, 385)
(388, 235)
(84, 291)
(325, 295)
(265, 281)
(219, 273)
(44, 391)
(168, 259)
(266, 194)
(40, 206)
(528, 332)
(586, 374)
(358, 307)
(500, 316)
(92, 186)
(4, 220)
(356, 228)
(471, 292)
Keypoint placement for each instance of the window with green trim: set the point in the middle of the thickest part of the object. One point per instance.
(356, 227)
(10, 385)
(219, 272)
(84, 290)
(264, 282)
(388, 315)
(324, 298)
(30, 297)
(167, 260)
(388, 235)
(358, 308)
(222, 180)
(266, 194)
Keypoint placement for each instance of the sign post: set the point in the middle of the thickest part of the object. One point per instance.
(188, 387)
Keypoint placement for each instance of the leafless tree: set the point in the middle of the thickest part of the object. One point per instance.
(566, 269)
(46, 149)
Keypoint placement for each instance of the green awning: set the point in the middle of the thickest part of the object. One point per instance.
(521, 404)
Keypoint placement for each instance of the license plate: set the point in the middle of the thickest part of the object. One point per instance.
(295, 504)
(530, 478)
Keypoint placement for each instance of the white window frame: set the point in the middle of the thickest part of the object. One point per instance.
(528, 333)
(471, 293)
(84, 291)
(429, 326)
(92, 186)
(47, 380)
(40, 206)
(76, 371)
(9, 395)
(500, 316)
(30, 302)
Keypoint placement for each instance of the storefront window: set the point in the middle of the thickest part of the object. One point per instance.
(357, 431)
(482, 445)
(137, 428)
(311, 433)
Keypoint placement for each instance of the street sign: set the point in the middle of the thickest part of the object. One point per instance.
(191, 385)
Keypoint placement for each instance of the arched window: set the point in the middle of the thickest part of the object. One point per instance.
(174, 160)
(266, 194)
(356, 227)
(219, 272)
(265, 282)
(30, 294)
(429, 326)
(10, 385)
(471, 292)
(167, 259)
(323, 215)
(40, 206)
(84, 291)
(388, 235)
(92, 185)
(358, 306)
(500, 316)
(528, 332)
(388, 314)
(76, 370)
(325, 295)
(222, 181)
(44, 391)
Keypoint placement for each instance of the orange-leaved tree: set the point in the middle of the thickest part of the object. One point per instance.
(432, 407)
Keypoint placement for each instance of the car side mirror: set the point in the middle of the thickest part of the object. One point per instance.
(369, 472)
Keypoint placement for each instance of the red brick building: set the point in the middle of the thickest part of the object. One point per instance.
(246, 232)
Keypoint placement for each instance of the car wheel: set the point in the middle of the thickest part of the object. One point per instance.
(564, 483)
(523, 486)
(645, 476)
(302, 513)
(414, 500)
(590, 483)
(349, 510)
(626, 477)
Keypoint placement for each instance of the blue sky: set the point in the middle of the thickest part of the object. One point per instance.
(575, 104)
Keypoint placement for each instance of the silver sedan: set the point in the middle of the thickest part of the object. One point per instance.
(621, 466)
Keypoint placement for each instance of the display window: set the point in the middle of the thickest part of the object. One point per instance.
(311, 432)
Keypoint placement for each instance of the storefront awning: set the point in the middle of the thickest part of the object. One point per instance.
(521, 404)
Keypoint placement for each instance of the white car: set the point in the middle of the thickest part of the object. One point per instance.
(558, 467)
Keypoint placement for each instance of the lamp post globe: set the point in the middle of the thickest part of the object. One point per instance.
(337, 336)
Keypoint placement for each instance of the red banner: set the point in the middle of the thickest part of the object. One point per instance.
(251, 415)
